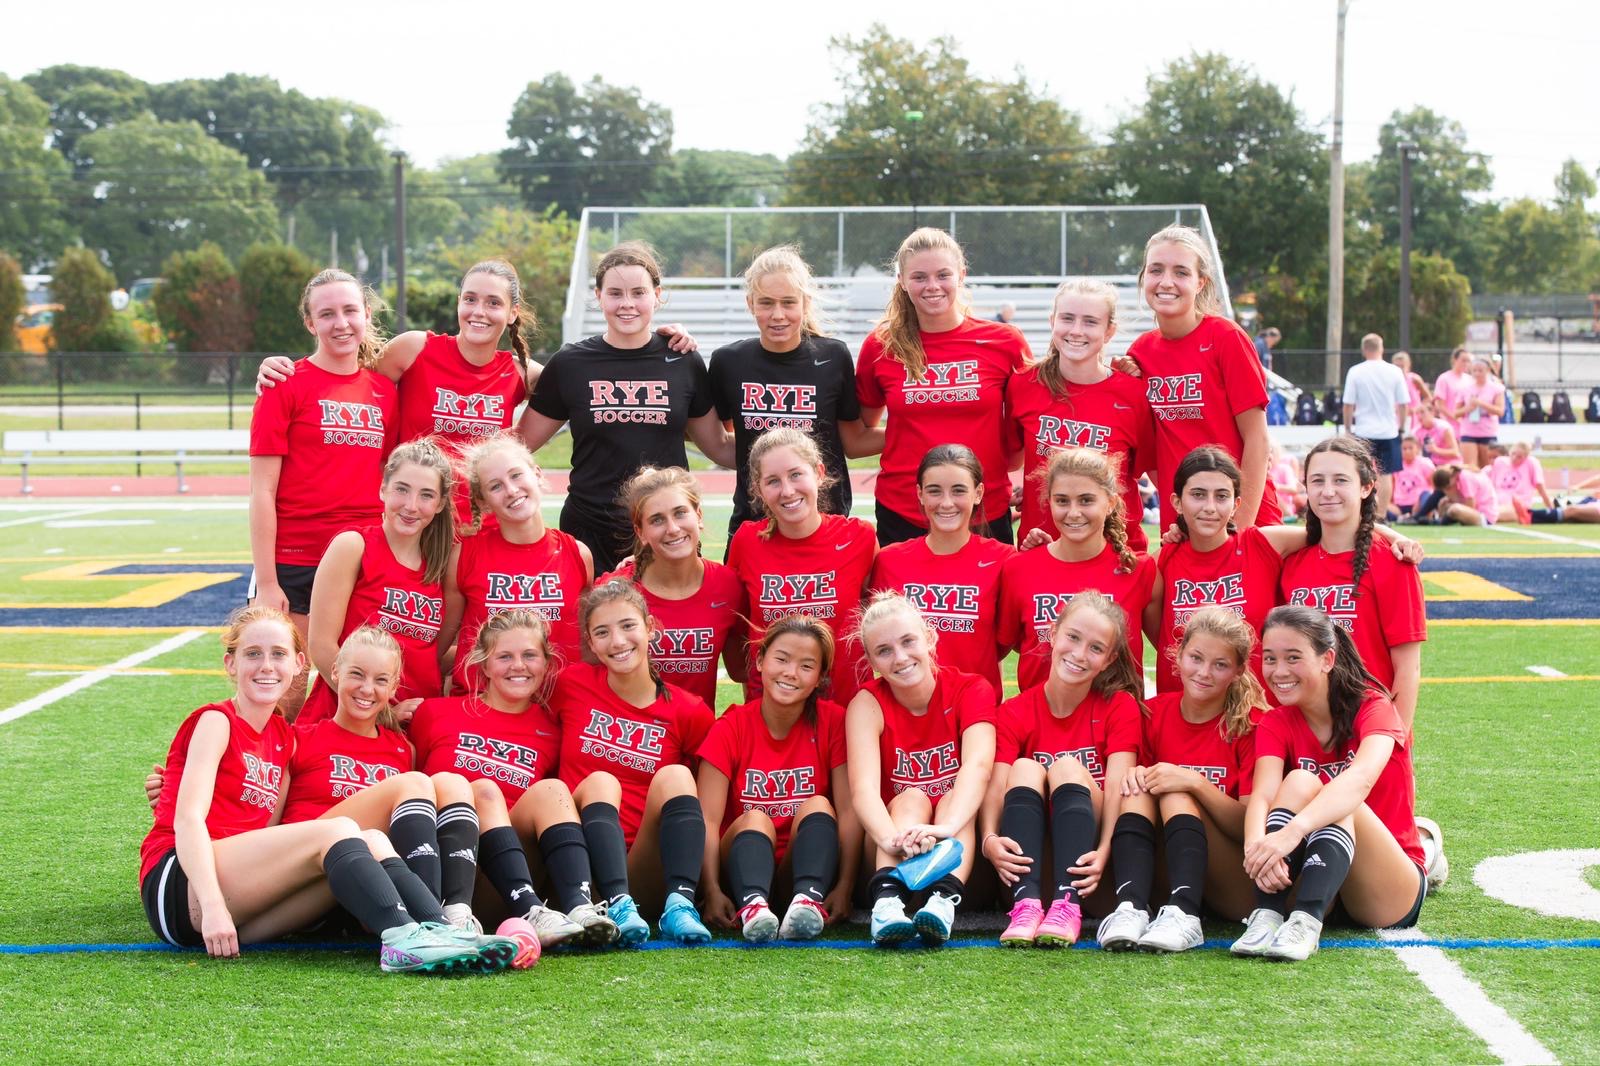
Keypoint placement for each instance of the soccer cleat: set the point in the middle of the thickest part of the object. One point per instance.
(936, 918)
(1121, 929)
(804, 919)
(1296, 939)
(758, 921)
(681, 921)
(1061, 926)
(1173, 930)
(1438, 867)
(890, 926)
(528, 946)
(1026, 914)
(632, 930)
(920, 871)
(459, 916)
(599, 931)
(552, 926)
(1259, 929)
(423, 947)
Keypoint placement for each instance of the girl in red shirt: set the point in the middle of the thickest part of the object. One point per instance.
(1331, 808)
(698, 604)
(1082, 490)
(941, 376)
(1071, 399)
(1194, 773)
(627, 745)
(1202, 375)
(800, 560)
(217, 868)
(952, 575)
(317, 449)
(506, 743)
(389, 576)
(773, 779)
(1065, 739)
(517, 562)
(920, 744)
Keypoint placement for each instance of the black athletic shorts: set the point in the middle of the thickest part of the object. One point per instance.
(608, 537)
(1386, 452)
(894, 528)
(1339, 916)
(295, 580)
(165, 892)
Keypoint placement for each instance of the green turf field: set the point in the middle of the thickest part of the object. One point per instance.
(1505, 762)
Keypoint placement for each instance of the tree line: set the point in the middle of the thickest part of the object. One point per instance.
(139, 173)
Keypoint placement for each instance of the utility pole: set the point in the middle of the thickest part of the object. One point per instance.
(1334, 339)
(399, 242)
(914, 119)
(1406, 151)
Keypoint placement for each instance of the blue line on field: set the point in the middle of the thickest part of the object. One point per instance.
(1356, 943)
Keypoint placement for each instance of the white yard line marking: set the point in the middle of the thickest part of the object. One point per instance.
(1537, 535)
(1544, 671)
(1550, 882)
(93, 677)
(113, 673)
(229, 503)
(1508, 1041)
(51, 516)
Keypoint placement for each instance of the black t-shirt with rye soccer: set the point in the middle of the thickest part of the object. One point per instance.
(626, 408)
(812, 388)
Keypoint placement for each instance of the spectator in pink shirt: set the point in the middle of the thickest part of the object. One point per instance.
(1418, 389)
(1463, 496)
(1448, 387)
(1438, 440)
(1478, 410)
(1414, 478)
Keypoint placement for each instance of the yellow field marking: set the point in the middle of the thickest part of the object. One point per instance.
(1518, 678)
(155, 591)
(1460, 585)
(98, 631)
(79, 668)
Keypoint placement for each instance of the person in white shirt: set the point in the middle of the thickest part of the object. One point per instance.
(1376, 402)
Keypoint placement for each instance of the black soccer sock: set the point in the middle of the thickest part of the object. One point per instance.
(1277, 818)
(815, 848)
(363, 887)
(566, 859)
(422, 904)
(458, 852)
(948, 885)
(1427, 505)
(683, 845)
(414, 832)
(505, 864)
(885, 885)
(1545, 515)
(750, 866)
(1133, 853)
(1329, 853)
(1022, 819)
(608, 849)
(1072, 831)
(1186, 861)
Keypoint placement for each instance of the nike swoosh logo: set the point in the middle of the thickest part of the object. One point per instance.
(980, 340)
(1121, 407)
(1120, 887)
(675, 358)
(821, 362)
(841, 547)
(989, 562)
(1205, 347)
(719, 603)
(544, 732)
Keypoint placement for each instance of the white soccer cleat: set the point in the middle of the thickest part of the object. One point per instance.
(804, 919)
(1173, 930)
(890, 924)
(1121, 929)
(552, 927)
(460, 916)
(1259, 929)
(1296, 940)
(1435, 865)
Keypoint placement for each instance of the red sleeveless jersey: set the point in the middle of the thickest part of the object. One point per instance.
(694, 630)
(393, 597)
(958, 595)
(249, 776)
(331, 764)
(464, 735)
(546, 577)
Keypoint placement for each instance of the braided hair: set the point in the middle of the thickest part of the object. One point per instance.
(1359, 453)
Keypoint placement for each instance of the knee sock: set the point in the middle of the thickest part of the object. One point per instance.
(683, 845)
(1133, 852)
(363, 887)
(1277, 818)
(608, 849)
(1186, 861)
(885, 885)
(1022, 819)
(566, 858)
(413, 829)
(458, 852)
(1071, 834)
(505, 864)
(750, 865)
(421, 903)
(1545, 515)
(948, 885)
(1428, 504)
(815, 847)
(1329, 852)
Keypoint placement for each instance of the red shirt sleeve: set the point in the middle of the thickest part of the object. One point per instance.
(269, 421)
(420, 731)
(1403, 617)
(719, 746)
(830, 733)
(1011, 732)
(1378, 717)
(1272, 737)
(1243, 377)
(1244, 750)
(694, 722)
(869, 391)
(975, 703)
(1124, 723)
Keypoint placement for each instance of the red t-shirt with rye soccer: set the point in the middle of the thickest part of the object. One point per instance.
(1035, 586)
(464, 735)
(1241, 575)
(546, 577)
(1197, 385)
(1096, 729)
(1169, 737)
(821, 575)
(770, 775)
(694, 630)
(331, 764)
(958, 594)
(924, 750)
(334, 432)
(961, 398)
(1385, 611)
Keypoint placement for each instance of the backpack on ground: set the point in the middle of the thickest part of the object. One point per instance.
(1306, 411)
(1592, 412)
(1332, 408)
(1532, 407)
(1561, 406)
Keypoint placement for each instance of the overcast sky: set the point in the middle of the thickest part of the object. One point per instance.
(1520, 77)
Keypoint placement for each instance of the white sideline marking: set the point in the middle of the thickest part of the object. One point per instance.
(53, 515)
(78, 684)
(230, 503)
(1508, 1041)
(1550, 882)
(96, 523)
(1538, 535)
(1545, 671)
(113, 673)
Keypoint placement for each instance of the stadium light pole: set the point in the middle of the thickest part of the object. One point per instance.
(399, 242)
(914, 119)
(1407, 149)
(1334, 339)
